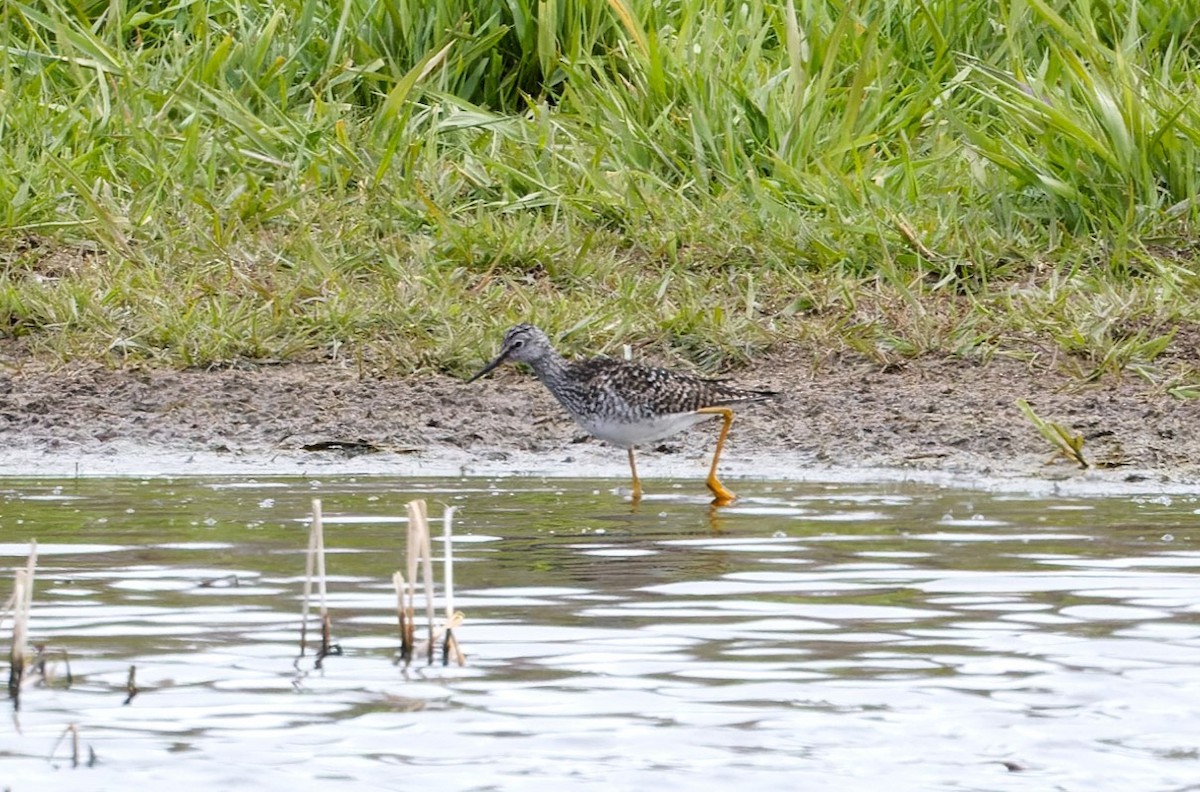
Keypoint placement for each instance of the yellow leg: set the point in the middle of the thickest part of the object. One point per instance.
(637, 485)
(721, 496)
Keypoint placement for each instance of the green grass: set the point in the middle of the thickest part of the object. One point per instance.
(197, 184)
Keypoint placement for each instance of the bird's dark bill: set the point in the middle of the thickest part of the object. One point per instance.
(488, 368)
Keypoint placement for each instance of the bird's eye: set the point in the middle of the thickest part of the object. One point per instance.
(520, 342)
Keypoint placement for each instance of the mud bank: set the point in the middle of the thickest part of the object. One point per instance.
(943, 421)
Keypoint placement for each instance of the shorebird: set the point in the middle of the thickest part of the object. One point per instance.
(627, 404)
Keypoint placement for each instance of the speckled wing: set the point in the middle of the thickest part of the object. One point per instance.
(648, 390)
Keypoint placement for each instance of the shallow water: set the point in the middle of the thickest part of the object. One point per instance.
(817, 637)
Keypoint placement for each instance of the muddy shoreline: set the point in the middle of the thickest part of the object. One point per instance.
(940, 420)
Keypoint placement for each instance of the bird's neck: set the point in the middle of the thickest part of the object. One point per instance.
(551, 368)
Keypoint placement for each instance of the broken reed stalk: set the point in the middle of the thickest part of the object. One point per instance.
(316, 557)
(45, 670)
(19, 604)
(309, 561)
(406, 637)
(418, 552)
(453, 619)
(72, 730)
(427, 573)
(419, 563)
(131, 686)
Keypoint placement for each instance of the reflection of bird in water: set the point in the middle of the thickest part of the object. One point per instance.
(627, 404)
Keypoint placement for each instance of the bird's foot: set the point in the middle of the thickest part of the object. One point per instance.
(721, 496)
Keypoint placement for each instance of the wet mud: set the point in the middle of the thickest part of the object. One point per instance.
(927, 418)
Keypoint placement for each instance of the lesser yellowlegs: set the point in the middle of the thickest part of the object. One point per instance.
(627, 404)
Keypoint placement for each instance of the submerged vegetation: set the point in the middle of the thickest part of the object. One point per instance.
(202, 183)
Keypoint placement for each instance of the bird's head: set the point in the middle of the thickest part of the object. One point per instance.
(523, 343)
